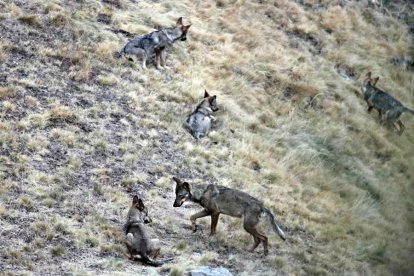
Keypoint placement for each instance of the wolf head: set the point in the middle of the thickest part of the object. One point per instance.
(140, 211)
(184, 29)
(182, 192)
(179, 32)
(209, 101)
(369, 82)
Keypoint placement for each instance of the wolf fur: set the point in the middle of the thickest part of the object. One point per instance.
(199, 121)
(145, 46)
(218, 200)
(389, 108)
(137, 240)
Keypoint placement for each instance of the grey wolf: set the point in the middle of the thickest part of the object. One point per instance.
(145, 46)
(199, 121)
(137, 240)
(218, 200)
(389, 108)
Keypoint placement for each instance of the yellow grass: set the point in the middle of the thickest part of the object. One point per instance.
(82, 131)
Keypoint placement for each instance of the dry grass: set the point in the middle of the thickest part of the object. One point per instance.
(82, 131)
(31, 20)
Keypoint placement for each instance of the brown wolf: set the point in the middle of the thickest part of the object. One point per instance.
(145, 46)
(137, 240)
(389, 108)
(218, 200)
(199, 121)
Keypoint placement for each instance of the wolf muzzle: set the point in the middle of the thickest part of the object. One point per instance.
(178, 204)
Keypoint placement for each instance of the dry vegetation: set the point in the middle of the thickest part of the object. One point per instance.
(82, 131)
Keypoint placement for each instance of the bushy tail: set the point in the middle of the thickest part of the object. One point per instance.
(148, 261)
(120, 31)
(409, 110)
(276, 228)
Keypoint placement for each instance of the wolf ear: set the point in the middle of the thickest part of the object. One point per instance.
(135, 199)
(178, 181)
(212, 98)
(368, 75)
(187, 186)
(185, 28)
(206, 95)
(179, 21)
(141, 205)
(374, 81)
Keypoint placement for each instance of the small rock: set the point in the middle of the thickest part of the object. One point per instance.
(210, 271)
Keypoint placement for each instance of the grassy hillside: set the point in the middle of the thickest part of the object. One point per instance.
(82, 131)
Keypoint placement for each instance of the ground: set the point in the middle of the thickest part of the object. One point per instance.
(82, 131)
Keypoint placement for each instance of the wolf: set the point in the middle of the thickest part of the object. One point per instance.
(199, 121)
(218, 200)
(145, 46)
(389, 108)
(137, 240)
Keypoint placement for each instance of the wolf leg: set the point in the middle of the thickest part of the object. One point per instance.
(399, 127)
(195, 134)
(158, 59)
(380, 115)
(250, 225)
(214, 221)
(163, 58)
(193, 218)
(144, 62)
(257, 237)
(154, 248)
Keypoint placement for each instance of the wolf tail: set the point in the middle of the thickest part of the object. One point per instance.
(276, 228)
(150, 262)
(120, 31)
(409, 110)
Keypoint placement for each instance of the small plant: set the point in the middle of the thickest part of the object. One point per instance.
(49, 202)
(6, 91)
(14, 254)
(97, 188)
(57, 251)
(115, 264)
(26, 202)
(59, 20)
(101, 147)
(61, 112)
(31, 20)
(181, 246)
(278, 262)
(63, 228)
(176, 271)
(91, 241)
(108, 80)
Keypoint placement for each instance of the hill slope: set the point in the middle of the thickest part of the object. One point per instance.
(82, 131)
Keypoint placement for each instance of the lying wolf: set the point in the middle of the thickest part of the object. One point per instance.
(137, 240)
(145, 46)
(218, 200)
(199, 121)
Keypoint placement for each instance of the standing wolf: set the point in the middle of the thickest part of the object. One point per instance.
(145, 46)
(199, 121)
(389, 108)
(218, 200)
(137, 240)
